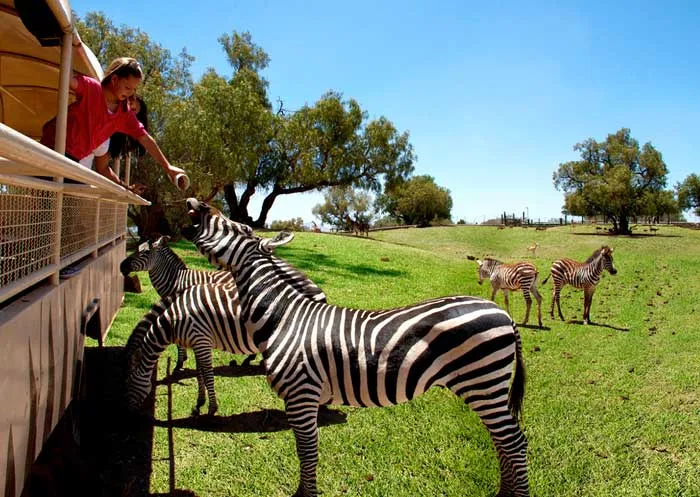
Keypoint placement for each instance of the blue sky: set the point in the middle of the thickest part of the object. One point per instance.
(493, 94)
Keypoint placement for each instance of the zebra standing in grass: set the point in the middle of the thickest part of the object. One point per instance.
(169, 275)
(316, 353)
(201, 317)
(585, 275)
(518, 276)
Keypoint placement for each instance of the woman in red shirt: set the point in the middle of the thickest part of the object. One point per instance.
(102, 109)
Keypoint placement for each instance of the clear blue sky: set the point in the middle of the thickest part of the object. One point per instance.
(494, 94)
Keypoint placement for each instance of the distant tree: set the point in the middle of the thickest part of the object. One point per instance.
(660, 204)
(417, 201)
(341, 203)
(689, 194)
(614, 178)
(294, 224)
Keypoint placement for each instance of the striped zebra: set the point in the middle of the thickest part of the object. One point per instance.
(585, 275)
(169, 275)
(201, 317)
(315, 353)
(506, 277)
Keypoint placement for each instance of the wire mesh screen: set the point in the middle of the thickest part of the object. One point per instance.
(78, 224)
(27, 231)
(121, 218)
(107, 226)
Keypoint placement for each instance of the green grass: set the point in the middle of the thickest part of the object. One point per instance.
(611, 409)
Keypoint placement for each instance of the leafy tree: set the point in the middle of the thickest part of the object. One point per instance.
(614, 178)
(229, 134)
(294, 224)
(341, 203)
(689, 194)
(657, 204)
(418, 200)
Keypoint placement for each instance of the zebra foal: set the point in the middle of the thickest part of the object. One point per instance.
(169, 275)
(315, 353)
(581, 275)
(507, 277)
(201, 317)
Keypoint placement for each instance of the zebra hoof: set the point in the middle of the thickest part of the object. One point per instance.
(195, 411)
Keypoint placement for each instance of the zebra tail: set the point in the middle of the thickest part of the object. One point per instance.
(517, 388)
(545, 280)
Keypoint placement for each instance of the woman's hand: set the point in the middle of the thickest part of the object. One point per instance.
(178, 177)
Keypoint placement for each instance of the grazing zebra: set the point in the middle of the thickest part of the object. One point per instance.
(315, 353)
(169, 275)
(518, 276)
(584, 275)
(201, 317)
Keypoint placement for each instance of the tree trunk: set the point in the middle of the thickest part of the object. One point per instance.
(239, 210)
(624, 225)
(266, 206)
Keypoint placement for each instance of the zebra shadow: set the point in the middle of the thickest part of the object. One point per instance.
(305, 259)
(233, 370)
(602, 325)
(534, 327)
(263, 421)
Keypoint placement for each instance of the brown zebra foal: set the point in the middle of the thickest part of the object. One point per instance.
(518, 276)
(585, 275)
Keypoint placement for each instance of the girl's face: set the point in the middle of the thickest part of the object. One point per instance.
(123, 88)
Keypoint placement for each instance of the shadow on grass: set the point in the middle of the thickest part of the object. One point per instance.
(602, 325)
(534, 327)
(305, 259)
(231, 371)
(633, 235)
(264, 421)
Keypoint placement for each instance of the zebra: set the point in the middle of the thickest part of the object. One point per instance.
(584, 275)
(316, 353)
(518, 276)
(201, 317)
(169, 275)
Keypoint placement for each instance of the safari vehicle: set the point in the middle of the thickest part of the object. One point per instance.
(61, 242)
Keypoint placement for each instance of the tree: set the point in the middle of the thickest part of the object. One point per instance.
(689, 194)
(614, 178)
(417, 201)
(341, 203)
(229, 134)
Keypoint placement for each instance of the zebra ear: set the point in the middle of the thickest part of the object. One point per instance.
(480, 262)
(269, 244)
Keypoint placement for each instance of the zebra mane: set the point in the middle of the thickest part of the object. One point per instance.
(596, 253)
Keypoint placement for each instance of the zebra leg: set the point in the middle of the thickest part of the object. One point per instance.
(181, 358)
(557, 295)
(587, 301)
(505, 299)
(538, 298)
(528, 304)
(509, 441)
(205, 379)
(302, 415)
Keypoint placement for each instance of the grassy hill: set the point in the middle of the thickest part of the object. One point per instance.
(611, 409)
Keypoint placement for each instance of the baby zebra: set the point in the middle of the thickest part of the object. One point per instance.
(201, 317)
(315, 353)
(584, 275)
(518, 276)
(169, 275)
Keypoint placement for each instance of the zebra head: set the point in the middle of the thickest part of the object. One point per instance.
(224, 242)
(607, 259)
(144, 259)
(138, 378)
(486, 268)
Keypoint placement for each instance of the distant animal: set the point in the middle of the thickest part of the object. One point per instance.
(581, 275)
(169, 274)
(315, 228)
(532, 248)
(518, 276)
(540, 228)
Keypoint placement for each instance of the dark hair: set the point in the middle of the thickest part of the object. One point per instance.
(120, 144)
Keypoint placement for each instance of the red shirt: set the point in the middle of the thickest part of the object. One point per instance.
(89, 121)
